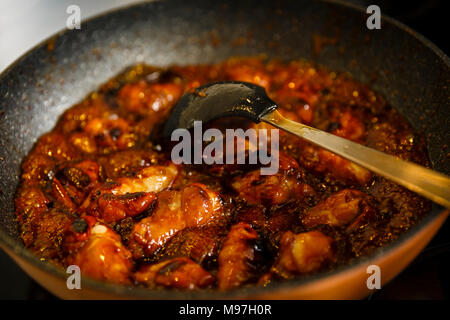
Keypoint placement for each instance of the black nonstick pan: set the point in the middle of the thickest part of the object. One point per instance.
(408, 70)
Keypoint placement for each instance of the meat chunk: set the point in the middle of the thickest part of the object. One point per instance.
(274, 189)
(194, 205)
(80, 174)
(236, 256)
(128, 197)
(322, 161)
(36, 169)
(110, 208)
(339, 209)
(42, 227)
(103, 256)
(149, 99)
(30, 202)
(254, 216)
(201, 244)
(271, 224)
(303, 253)
(269, 190)
(149, 179)
(296, 102)
(44, 234)
(350, 127)
(104, 135)
(280, 221)
(76, 118)
(180, 273)
(247, 70)
(56, 146)
(127, 162)
(61, 195)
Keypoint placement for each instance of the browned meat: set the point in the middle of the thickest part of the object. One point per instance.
(236, 256)
(322, 161)
(201, 244)
(110, 208)
(194, 205)
(339, 209)
(275, 189)
(103, 256)
(149, 99)
(251, 71)
(303, 253)
(127, 162)
(181, 273)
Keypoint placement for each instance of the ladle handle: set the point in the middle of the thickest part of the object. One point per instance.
(428, 183)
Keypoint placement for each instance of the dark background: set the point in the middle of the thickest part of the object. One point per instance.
(428, 277)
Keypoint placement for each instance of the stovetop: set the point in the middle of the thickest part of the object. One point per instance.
(426, 278)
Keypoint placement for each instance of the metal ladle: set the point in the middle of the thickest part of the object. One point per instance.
(233, 98)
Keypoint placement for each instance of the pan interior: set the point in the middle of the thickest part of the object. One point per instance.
(408, 71)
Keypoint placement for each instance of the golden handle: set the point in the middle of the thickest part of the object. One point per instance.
(428, 183)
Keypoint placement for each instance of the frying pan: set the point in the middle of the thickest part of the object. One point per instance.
(409, 71)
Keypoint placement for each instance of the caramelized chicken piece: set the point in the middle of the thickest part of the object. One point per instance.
(194, 205)
(271, 224)
(322, 161)
(56, 146)
(251, 71)
(76, 118)
(77, 234)
(148, 99)
(236, 256)
(296, 101)
(88, 168)
(104, 135)
(84, 142)
(48, 231)
(127, 162)
(201, 244)
(180, 273)
(73, 182)
(113, 208)
(128, 197)
(280, 221)
(254, 216)
(44, 232)
(302, 253)
(61, 195)
(149, 179)
(103, 256)
(299, 84)
(339, 209)
(350, 127)
(41, 227)
(30, 203)
(111, 132)
(36, 169)
(275, 189)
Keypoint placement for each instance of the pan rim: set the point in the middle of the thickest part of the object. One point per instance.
(138, 292)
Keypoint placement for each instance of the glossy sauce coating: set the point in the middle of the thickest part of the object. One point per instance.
(100, 190)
